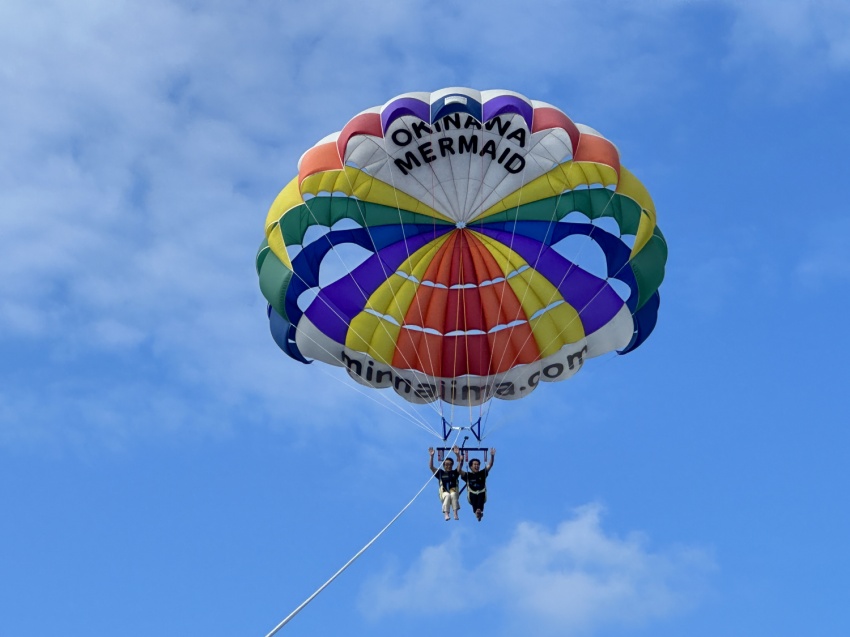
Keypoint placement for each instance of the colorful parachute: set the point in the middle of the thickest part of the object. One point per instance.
(460, 246)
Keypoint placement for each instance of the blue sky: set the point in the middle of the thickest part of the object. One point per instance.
(166, 470)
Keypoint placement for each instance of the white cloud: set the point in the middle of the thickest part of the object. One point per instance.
(142, 144)
(574, 578)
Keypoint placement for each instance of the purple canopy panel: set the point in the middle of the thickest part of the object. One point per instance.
(595, 301)
(508, 104)
(336, 305)
(405, 106)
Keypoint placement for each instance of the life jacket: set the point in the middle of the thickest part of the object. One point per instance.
(448, 479)
(476, 481)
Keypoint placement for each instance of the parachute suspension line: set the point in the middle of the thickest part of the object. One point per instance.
(387, 404)
(387, 401)
(332, 309)
(458, 308)
(483, 416)
(602, 360)
(303, 604)
(479, 198)
(333, 247)
(432, 191)
(534, 265)
(498, 427)
(459, 209)
(393, 408)
(345, 266)
(438, 407)
(433, 203)
(383, 265)
(590, 236)
(507, 259)
(462, 304)
(607, 278)
(342, 261)
(572, 265)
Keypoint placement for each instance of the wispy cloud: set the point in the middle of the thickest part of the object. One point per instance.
(142, 145)
(575, 577)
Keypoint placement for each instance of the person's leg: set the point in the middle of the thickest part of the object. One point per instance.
(477, 502)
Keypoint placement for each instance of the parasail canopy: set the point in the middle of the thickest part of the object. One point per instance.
(461, 246)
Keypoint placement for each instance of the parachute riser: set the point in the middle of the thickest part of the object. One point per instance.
(475, 428)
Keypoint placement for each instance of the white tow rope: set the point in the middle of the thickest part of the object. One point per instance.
(348, 563)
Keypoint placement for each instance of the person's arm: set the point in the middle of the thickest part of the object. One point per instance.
(492, 459)
(459, 457)
(431, 460)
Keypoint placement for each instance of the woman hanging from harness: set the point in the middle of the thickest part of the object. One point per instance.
(476, 483)
(448, 479)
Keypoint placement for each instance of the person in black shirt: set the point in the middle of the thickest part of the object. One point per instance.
(476, 484)
(448, 476)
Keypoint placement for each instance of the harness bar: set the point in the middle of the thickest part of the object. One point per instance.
(441, 453)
